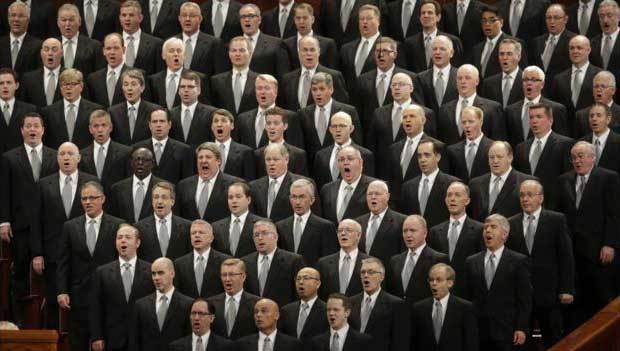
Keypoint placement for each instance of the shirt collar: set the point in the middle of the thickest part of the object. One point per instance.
(533, 101)
(74, 177)
(388, 73)
(583, 68)
(461, 219)
(242, 217)
(168, 295)
(272, 337)
(106, 145)
(374, 295)
(445, 70)
(236, 297)
(47, 71)
(512, 74)
(498, 254)
(477, 140)
(536, 214)
(544, 137)
(11, 103)
(74, 39)
(76, 103)
(342, 332)
(305, 216)
(404, 105)
(38, 148)
(613, 35)
(327, 106)
(205, 254)
(117, 70)
(136, 35)
(354, 184)
(444, 301)
(205, 338)
(503, 175)
(602, 138)
(349, 142)
(418, 251)
(309, 302)
(244, 71)
(416, 139)
(136, 104)
(288, 7)
(168, 218)
(495, 39)
(132, 261)
(192, 37)
(353, 254)
(254, 38)
(20, 38)
(162, 142)
(431, 177)
(470, 99)
(96, 218)
(371, 39)
(170, 72)
(146, 180)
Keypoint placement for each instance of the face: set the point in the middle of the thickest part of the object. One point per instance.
(127, 242)
(340, 129)
(303, 21)
(556, 20)
(414, 233)
(307, 283)
(68, 23)
(428, 160)
(531, 197)
(583, 159)
(71, 90)
(68, 158)
(188, 91)
(309, 53)
(508, 57)
(141, 163)
(494, 235)
(608, 17)
(439, 283)
(18, 20)
(92, 201)
(266, 315)
(200, 318)
(113, 51)
(413, 122)
(173, 56)
(368, 23)
(603, 90)
(401, 89)
(221, 127)
(265, 238)
(377, 197)
(579, 50)
(159, 125)
(130, 19)
(208, 164)
(8, 86)
(466, 82)
(232, 278)
(350, 165)
(301, 199)
(540, 123)
(190, 18)
(336, 313)
(201, 236)
(266, 93)
(238, 201)
(250, 20)
(442, 53)
(384, 56)
(162, 202)
(499, 159)
(321, 93)
(598, 119)
(51, 53)
(238, 53)
(456, 199)
(471, 124)
(348, 235)
(372, 277)
(162, 276)
(32, 131)
(132, 89)
(491, 24)
(429, 16)
(275, 128)
(100, 128)
(275, 163)
(532, 84)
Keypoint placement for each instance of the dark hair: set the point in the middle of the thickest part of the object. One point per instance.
(277, 111)
(437, 146)
(493, 9)
(545, 106)
(243, 185)
(165, 111)
(435, 3)
(346, 302)
(6, 70)
(31, 115)
(210, 306)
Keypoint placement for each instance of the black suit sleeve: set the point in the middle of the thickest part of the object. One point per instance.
(94, 311)
(470, 334)
(567, 260)
(524, 295)
(63, 264)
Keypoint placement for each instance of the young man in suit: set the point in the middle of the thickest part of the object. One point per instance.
(201, 316)
(40, 87)
(13, 111)
(99, 19)
(80, 52)
(142, 50)
(237, 159)
(104, 85)
(505, 86)
(606, 141)
(115, 288)
(222, 19)
(462, 18)
(603, 91)
(278, 22)
(356, 56)
(161, 18)
(21, 48)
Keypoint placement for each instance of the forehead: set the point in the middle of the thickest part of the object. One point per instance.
(246, 10)
(367, 13)
(347, 152)
(529, 187)
(263, 228)
(579, 42)
(173, 45)
(67, 149)
(307, 271)
(273, 118)
(439, 272)
(200, 306)
(158, 115)
(371, 265)
(7, 76)
(578, 149)
(142, 154)
(465, 72)
(456, 188)
(112, 40)
(335, 303)
(125, 231)
(161, 191)
(67, 14)
(340, 120)
(428, 7)
(273, 154)
(190, 9)
(492, 223)
(376, 187)
(598, 110)
(555, 11)
(206, 153)
(498, 150)
(507, 47)
(401, 79)
(468, 114)
(531, 74)
(346, 225)
(90, 190)
(412, 223)
(159, 267)
(199, 228)
(489, 14)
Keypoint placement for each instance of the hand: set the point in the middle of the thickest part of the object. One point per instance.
(63, 301)
(98, 345)
(566, 299)
(607, 254)
(38, 264)
(5, 233)
(519, 337)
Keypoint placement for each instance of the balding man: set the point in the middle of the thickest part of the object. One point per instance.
(99, 19)
(161, 19)
(605, 140)
(604, 90)
(104, 85)
(38, 87)
(79, 51)
(21, 49)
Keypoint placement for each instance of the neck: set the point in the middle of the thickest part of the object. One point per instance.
(532, 212)
(189, 103)
(102, 142)
(202, 249)
(430, 172)
(33, 144)
(68, 173)
(343, 142)
(128, 257)
(601, 132)
(95, 215)
(131, 31)
(308, 298)
(223, 139)
(165, 290)
(16, 34)
(268, 331)
(142, 176)
(429, 30)
(467, 94)
(581, 64)
(52, 68)
(189, 34)
(349, 249)
(277, 141)
(240, 67)
(456, 216)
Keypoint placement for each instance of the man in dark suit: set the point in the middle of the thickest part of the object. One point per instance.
(536, 233)
(460, 236)
(505, 86)
(339, 19)
(87, 242)
(401, 19)
(40, 87)
(237, 159)
(130, 198)
(99, 19)
(356, 57)
(304, 232)
(202, 315)
(296, 85)
(271, 271)
(586, 196)
(234, 307)
(163, 87)
(222, 19)
(12, 111)
(234, 90)
(106, 159)
(583, 19)
(163, 234)
(161, 18)
(142, 50)
(445, 321)
(341, 336)
(268, 54)
(21, 49)
(448, 118)
(603, 91)
(115, 288)
(498, 284)
(161, 317)
(606, 141)
(104, 85)
(303, 17)
(131, 118)
(204, 195)
(524, 19)
(379, 314)
(498, 190)
(278, 22)
(462, 19)
(80, 52)
(67, 119)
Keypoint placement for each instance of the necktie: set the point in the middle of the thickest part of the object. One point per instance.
(407, 12)
(424, 196)
(67, 196)
(397, 121)
(161, 312)
(203, 199)
(536, 156)
(525, 120)
(35, 162)
(127, 279)
(408, 270)
(264, 272)
(111, 85)
(305, 90)
(576, 86)
(460, 15)
(259, 127)
(488, 49)
(69, 54)
(297, 232)
(224, 156)
(91, 236)
(138, 200)
(267, 344)
(584, 19)
(158, 152)
(464, 104)
(453, 238)
(546, 56)
(237, 92)
(335, 343)
(282, 24)
(303, 315)
(100, 161)
(606, 53)
(334, 169)
(470, 157)
(345, 201)
(365, 313)
(529, 233)
(506, 89)
(164, 237)
(361, 58)
(371, 233)
(231, 314)
(171, 91)
(515, 18)
(199, 346)
(347, 6)
(200, 272)
(71, 121)
(189, 53)
(427, 48)
(437, 320)
(597, 150)
(344, 275)
(132, 120)
(50, 90)
(381, 89)
(89, 18)
(494, 193)
(271, 195)
(218, 21)
(322, 125)
(440, 87)
(489, 270)
(407, 156)
(6, 113)
(580, 189)
(187, 121)
(235, 234)
(154, 13)
(14, 52)
(130, 52)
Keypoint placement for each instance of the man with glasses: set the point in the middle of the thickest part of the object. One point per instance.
(201, 317)
(603, 91)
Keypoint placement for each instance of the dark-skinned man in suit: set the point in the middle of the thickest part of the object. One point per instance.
(201, 316)
(237, 159)
(142, 50)
(38, 87)
(606, 141)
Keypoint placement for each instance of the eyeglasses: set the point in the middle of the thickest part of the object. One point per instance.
(305, 278)
(529, 195)
(262, 234)
(70, 84)
(489, 20)
(369, 272)
(250, 16)
(532, 80)
(229, 275)
(580, 156)
(90, 198)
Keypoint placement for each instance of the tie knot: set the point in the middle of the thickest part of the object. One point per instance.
(455, 224)
(437, 304)
(465, 102)
(597, 141)
(426, 180)
(132, 109)
(348, 188)
(92, 221)
(126, 265)
(412, 254)
(112, 73)
(273, 182)
(267, 339)
(130, 37)
(200, 258)
(299, 219)
(16, 42)
(71, 106)
(497, 180)
(163, 298)
(472, 144)
(264, 258)
(237, 220)
(158, 145)
(140, 183)
(162, 221)
(6, 106)
(304, 306)
(508, 77)
(368, 300)
(68, 180)
(173, 76)
(347, 257)
(492, 257)
(530, 218)
(199, 340)
(375, 217)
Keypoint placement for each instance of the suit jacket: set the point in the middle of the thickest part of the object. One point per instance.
(347, 61)
(330, 22)
(318, 238)
(611, 148)
(514, 122)
(120, 199)
(458, 165)
(120, 115)
(10, 135)
(392, 18)
(221, 232)
(493, 126)
(562, 91)
(115, 166)
(148, 54)
(177, 160)
(594, 27)
(269, 56)
(106, 20)
(217, 207)
(281, 207)
(330, 281)
(471, 31)
(436, 210)
(179, 245)
(354, 341)
(415, 55)
(315, 324)
(493, 66)
(240, 161)
(28, 56)
(532, 21)
(424, 92)
(289, 98)
(157, 86)
(321, 168)
(297, 160)
(459, 329)
(582, 123)
(88, 55)
(185, 277)
(167, 24)
(388, 240)
(244, 323)
(209, 56)
(283, 342)
(232, 24)
(144, 329)
(559, 59)
(31, 89)
(97, 87)
(506, 306)
(329, 52)
(357, 205)
(246, 130)
(222, 92)
(42, 22)
(109, 309)
(216, 343)
(56, 125)
(199, 128)
(492, 88)
(270, 23)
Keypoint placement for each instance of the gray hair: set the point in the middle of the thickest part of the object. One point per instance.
(501, 220)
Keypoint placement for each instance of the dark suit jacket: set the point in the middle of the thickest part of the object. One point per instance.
(109, 310)
(244, 322)
(42, 22)
(240, 161)
(514, 125)
(436, 210)
(281, 207)
(608, 158)
(330, 281)
(216, 343)
(347, 61)
(221, 231)
(394, 172)
(492, 88)
(329, 52)
(56, 125)
(167, 24)
(10, 135)
(31, 88)
(290, 84)
(388, 240)
(458, 165)
(96, 83)
(317, 240)
(115, 167)
(506, 306)
(177, 160)
(283, 343)
(415, 54)
(120, 115)
(561, 90)
(217, 207)
(357, 205)
(144, 331)
(106, 21)
(199, 128)
(471, 31)
(329, 21)
(209, 57)
(559, 59)
(232, 24)
(321, 168)
(297, 160)
(28, 57)
(594, 27)
(493, 126)
(392, 18)
(185, 278)
(355, 341)
(316, 322)
(532, 22)
(582, 123)
(179, 245)
(459, 330)
(222, 92)
(424, 92)
(493, 66)
(269, 56)
(157, 87)
(148, 55)
(270, 23)
(246, 130)
(120, 199)
(88, 55)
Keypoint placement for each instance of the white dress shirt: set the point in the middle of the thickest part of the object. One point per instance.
(201, 184)
(158, 301)
(136, 41)
(431, 180)
(341, 191)
(342, 255)
(543, 142)
(97, 224)
(74, 182)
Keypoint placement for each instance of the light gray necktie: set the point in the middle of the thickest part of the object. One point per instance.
(408, 270)
(536, 156)
(14, 52)
(361, 57)
(347, 6)
(282, 23)
(164, 237)
(35, 163)
(91, 236)
(546, 56)
(371, 233)
(424, 196)
(187, 121)
(515, 18)
(365, 313)
(132, 120)
(71, 117)
(267, 344)
(335, 346)
(264, 272)
(470, 157)
(199, 345)
(203, 199)
(130, 52)
(460, 15)
(305, 89)
(584, 20)
(259, 127)
(89, 18)
(67, 196)
(489, 270)
(506, 89)
(427, 48)
(437, 320)
(597, 150)
(494, 193)
(606, 53)
(127, 279)
(154, 13)
(345, 201)
(158, 152)
(111, 85)
(138, 201)
(235, 234)
(322, 125)
(525, 120)
(381, 89)
(576, 86)
(189, 53)
(171, 91)
(224, 156)
(237, 92)
(69, 54)
(485, 58)
(344, 275)
(50, 90)
(161, 312)
(200, 272)
(334, 169)
(397, 121)
(407, 156)
(303, 315)
(453, 237)
(6, 113)
(529, 233)
(580, 190)
(218, 21)
(297, 233)
(271, 195)
(100, 161)
(406, 19)
(440, 87)
(231, 315)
